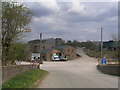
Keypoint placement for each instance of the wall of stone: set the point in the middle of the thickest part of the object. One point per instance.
(109, 69)
(9, 72)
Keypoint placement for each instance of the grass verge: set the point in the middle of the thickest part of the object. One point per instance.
(107, 54)
(93, 53)
(28, 79)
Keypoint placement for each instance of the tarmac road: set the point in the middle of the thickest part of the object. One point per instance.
(78, 73)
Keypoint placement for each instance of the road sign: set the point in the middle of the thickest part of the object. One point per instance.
(103, 60)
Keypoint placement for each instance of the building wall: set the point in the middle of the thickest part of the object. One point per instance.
(70, 51)
(47, 45)
(45, 57)
(34, 46)
(9, 72)
(48, 56)
(59, 41)
(109, 69)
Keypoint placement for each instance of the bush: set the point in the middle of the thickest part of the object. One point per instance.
(17, 52)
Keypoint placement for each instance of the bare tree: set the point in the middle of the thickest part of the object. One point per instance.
(115, 37)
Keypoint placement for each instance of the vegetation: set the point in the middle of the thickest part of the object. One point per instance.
(26, 79)
(106, 53)
(18, 52)
(93, 53)
(15, 18)
(93, 49)
(88, 45)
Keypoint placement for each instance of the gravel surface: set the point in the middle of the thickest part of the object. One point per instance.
(78, 73)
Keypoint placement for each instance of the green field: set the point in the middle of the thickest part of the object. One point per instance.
(27, 79)
(97, 54)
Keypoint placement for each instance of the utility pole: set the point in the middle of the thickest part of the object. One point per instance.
(101, 43)
(40, 49)
(40, 42)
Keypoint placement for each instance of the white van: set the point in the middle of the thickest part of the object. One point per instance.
(55, 58)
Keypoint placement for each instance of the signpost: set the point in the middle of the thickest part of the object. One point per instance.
(35, 58)
(103, 60)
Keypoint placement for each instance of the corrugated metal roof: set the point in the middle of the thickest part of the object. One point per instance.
(57, 47)
(46, 50)
(61, 47)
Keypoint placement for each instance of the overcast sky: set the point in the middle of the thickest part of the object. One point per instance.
(73, 20)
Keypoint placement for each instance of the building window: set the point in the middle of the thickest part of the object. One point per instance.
(44, 47)
(68, 50)
(35, 46)
(72, 50)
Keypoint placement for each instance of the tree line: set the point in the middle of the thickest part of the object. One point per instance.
(87, 45)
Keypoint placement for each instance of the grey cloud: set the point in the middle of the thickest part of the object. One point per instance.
(42, 11)
(77, 26)
(64, 6)
(38, 9)
(78, 17)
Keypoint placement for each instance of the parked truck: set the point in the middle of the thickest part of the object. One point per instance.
(55, 58)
